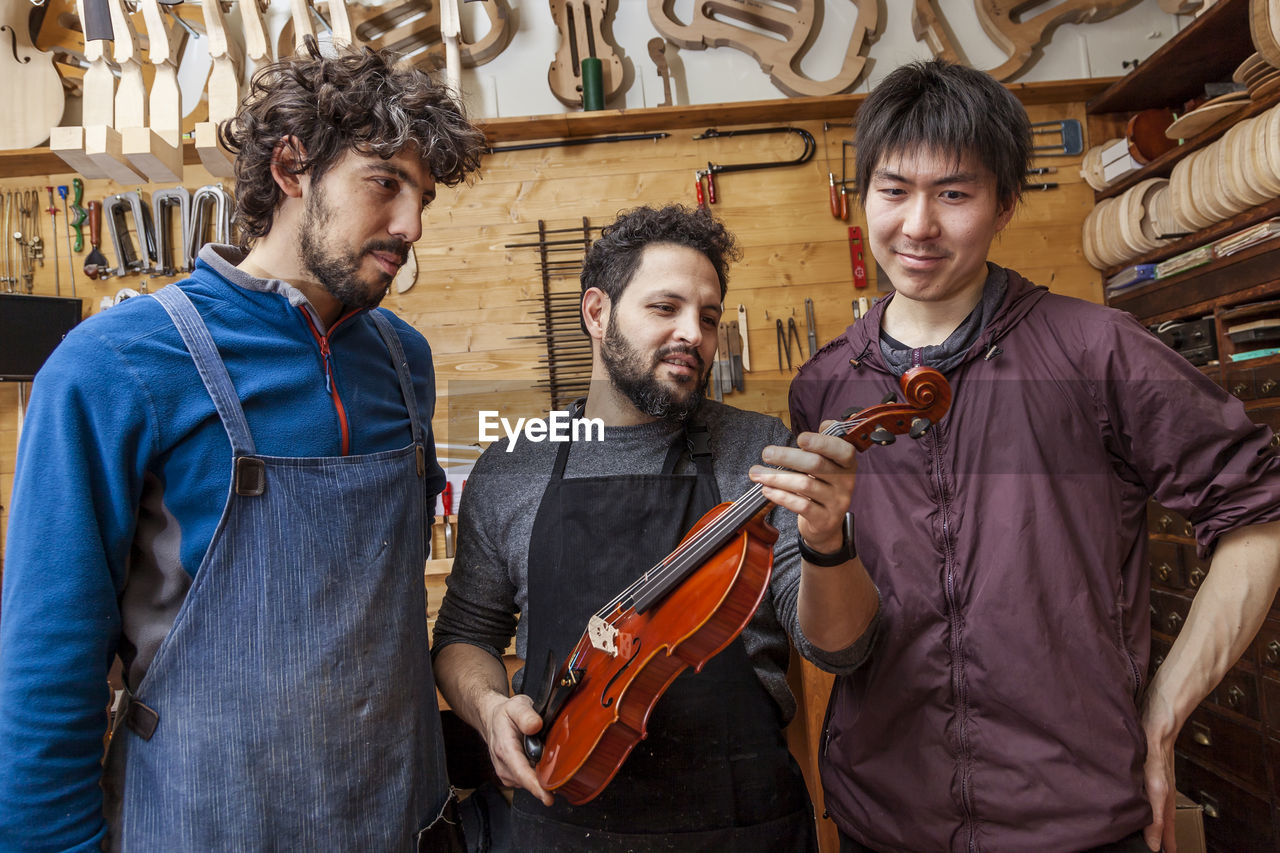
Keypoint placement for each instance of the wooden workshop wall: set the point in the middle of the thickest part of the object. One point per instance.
(469, 292)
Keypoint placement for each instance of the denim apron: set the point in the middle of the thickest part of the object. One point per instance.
(714, 773)
(292, 704)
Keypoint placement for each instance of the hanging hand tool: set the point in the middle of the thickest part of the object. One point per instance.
(1070, 138)
(721, 372)
(71, 270)
(746, 340)
(78, 214)
(811, 327)
(173, 253)
(96, 264)
(785, 337)
(446, 510)
(810, 146)
(53, 219)
(793, 334)
(735, 357)
(839, 198)
(855, 257)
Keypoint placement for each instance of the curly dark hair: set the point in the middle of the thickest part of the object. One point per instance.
(359, 99)
(950, 110)
(613, 259)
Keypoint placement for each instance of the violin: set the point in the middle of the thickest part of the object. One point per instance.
(681, 613)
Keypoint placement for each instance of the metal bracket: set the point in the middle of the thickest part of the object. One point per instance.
(210, 219)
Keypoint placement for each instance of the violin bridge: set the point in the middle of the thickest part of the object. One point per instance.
(603, 635)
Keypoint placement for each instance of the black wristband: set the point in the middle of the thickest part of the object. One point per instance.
(839, 558)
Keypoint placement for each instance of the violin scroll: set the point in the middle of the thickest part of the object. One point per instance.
(927, 398)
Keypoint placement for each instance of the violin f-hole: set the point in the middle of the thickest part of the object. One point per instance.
(605, 703)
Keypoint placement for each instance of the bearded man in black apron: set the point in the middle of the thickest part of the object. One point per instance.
(549, 531)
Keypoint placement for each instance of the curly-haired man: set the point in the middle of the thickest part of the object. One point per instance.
(227, 486)
(554, 531)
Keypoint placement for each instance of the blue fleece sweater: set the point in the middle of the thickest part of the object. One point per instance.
(122, 475)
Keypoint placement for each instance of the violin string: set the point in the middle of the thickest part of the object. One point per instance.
(727, 522)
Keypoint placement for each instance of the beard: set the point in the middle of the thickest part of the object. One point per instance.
(639, 382)
(338, 271)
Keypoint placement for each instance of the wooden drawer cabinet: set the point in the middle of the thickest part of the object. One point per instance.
(1235, 821)
(1168, 611)
(1226, 746)
(1238, 692)
(1164, 559)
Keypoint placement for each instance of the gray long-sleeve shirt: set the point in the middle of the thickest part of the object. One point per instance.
(488, 585)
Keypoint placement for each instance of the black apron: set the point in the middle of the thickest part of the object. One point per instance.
(714, 772)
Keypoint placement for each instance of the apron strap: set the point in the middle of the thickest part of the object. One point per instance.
(195, 334)
(392, 341)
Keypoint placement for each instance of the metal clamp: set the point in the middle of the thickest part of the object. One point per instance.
(210, 219)
(172, 256)
(116, 208)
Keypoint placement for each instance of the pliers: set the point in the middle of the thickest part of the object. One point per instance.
(784, 341)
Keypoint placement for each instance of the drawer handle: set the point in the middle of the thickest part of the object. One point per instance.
(1238, 389)
(1196, 576)
(1268, 386)
(1273, 653)
(1158, 660)
(1201, 735)
(1235, 696)
(1188, 529)
(1164, 522)
(1163, 571)
(1173, 622)
(1210, 806)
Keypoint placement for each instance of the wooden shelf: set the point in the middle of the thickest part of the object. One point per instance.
(1221, 229)
(1207, 50)
(1163, 165)
(42, 161)
(1198, 290)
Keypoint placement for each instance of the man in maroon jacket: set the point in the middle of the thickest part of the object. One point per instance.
(1005, 705)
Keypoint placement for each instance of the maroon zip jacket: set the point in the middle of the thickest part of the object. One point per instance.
(999, 708)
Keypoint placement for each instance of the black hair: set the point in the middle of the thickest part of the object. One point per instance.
(950, 110)
(614, 258)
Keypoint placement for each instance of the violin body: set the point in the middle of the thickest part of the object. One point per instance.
(593, 735)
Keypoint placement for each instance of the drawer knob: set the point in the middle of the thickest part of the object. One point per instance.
(1173, 622)
(1210, 809)
(1235, 696)
(1238, 389)
(1267, 386)
(1202, 737)
(1163, 571)
(1164, 522)
(1196, 576)
(1272, 656)
(1187, 529)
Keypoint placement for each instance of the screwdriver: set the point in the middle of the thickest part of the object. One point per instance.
(71, 269)
(53, 218)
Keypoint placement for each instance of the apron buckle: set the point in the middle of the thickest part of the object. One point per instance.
(140, 719)
(251, 476)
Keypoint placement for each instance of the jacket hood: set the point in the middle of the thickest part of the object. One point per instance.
(863, 337)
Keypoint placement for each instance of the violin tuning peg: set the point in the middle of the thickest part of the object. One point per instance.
(850, 412)
(882, 436)
(889, 398)
(919, 426)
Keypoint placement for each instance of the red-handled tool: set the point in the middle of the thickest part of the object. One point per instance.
(697, 183)
(855, 257)
(711, 184)
(446, 507)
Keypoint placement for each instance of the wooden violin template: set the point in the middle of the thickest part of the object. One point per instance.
(681, 613)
